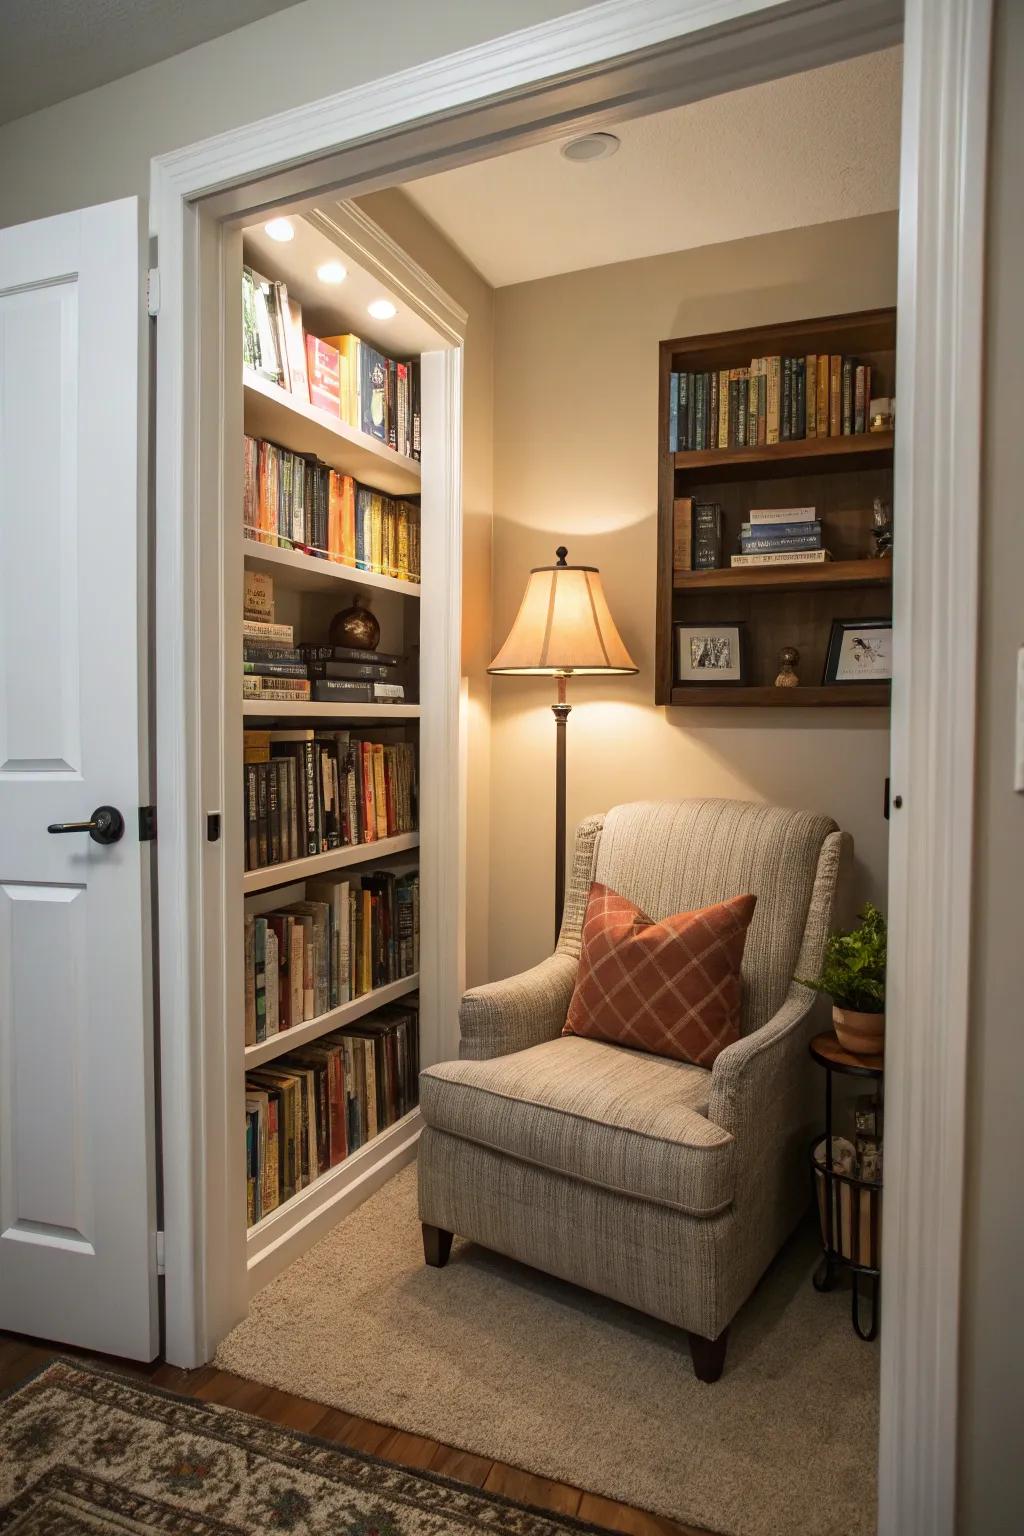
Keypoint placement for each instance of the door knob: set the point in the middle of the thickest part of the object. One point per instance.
(106, 825)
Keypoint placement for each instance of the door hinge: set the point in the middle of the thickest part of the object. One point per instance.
(160, 1253)
(147, 823)
(153, 290)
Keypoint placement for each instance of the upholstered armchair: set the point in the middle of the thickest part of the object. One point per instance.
(666, 1186)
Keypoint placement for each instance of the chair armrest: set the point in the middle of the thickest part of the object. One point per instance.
(524, 1010)
(758, 1069)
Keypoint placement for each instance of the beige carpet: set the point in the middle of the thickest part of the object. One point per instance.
(503, 1361)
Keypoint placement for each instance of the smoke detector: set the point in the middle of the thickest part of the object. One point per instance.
(592, 146)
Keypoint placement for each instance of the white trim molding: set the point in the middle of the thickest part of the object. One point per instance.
(935, 606)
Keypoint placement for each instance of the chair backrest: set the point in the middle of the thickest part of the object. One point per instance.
(680, 856)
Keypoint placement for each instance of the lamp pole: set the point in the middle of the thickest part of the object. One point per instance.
(560, 710)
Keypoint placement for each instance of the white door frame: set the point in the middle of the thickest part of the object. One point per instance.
(591, 66)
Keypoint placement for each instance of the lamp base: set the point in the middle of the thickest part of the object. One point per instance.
(560, 710)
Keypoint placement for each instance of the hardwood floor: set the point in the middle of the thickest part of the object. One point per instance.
(21, 1358)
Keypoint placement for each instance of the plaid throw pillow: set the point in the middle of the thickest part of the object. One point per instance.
(671, 988)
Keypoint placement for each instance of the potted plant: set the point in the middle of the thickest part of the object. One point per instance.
(853, 975)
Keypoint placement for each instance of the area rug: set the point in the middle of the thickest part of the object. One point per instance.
(85, 1452)
(508, 1363)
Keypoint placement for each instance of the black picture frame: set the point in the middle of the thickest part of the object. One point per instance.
(841, 629)
(711, 675)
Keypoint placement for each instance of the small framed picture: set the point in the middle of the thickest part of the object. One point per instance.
(711, 653)
(859, 651)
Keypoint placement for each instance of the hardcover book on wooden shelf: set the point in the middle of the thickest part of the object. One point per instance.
(349, 937)
(771, 465)
(309, 1110)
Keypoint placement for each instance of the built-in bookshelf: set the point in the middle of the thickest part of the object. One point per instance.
(721, 457)
(344, 1066)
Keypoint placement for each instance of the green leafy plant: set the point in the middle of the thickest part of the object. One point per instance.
(853, 970)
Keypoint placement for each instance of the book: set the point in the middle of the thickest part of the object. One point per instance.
(785, 557)
(366, 670)
(260, 629)
(347, 653)
(259, 329)
(279, 689)
(373, 371)
(673, 412)
(769, 531)
(835, 395)
(707, 536)
(323, 367)
(811, 382)
(341, 691)
(295, 345)
(774, 401)
(258, 596)
(821, 409)
(767, 515)
(846, 406)
(774, 543)
(682, 534)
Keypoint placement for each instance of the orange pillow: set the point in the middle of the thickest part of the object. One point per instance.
(671, 988)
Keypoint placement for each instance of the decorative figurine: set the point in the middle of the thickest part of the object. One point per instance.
(355, 627)
(882, 414)
(881, 528)
(788, 658)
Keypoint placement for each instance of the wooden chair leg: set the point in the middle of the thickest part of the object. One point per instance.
(708, 1355)
(437, 1245)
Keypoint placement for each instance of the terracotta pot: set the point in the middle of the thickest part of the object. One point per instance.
(861, 1033)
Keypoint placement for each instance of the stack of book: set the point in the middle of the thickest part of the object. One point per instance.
(781, 536)
(342, 375)
(308, 792)
(345, 939)
(271, 666)
(293, 501)
(774, 399)
(275, 669)
(309, 1110)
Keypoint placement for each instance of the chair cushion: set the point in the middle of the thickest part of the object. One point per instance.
(672, 988)
(621, 1120)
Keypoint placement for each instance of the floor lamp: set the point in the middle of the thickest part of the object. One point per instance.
(563, 628)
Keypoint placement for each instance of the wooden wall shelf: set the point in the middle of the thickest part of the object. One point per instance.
(699, 696)
(778, 605)
(804, 455)
(787, 578)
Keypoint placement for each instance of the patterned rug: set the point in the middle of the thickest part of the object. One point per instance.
(85, 1452)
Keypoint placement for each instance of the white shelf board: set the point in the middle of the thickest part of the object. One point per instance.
(304, 573)
(284, 419)
(284, 1234)
(321, 863)
(299, 709)
(312, 1029)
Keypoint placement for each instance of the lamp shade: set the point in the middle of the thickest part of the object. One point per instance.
(564, 625)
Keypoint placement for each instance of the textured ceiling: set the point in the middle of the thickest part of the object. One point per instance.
(803, 150)
(52, 49)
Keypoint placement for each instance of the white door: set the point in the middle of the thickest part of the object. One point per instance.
(77, 1149)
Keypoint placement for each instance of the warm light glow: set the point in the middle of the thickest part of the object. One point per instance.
(563, 625)
(382, 309)
(279, 229)
(332, 272)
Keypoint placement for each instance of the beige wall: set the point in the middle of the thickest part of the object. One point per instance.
(98, 145)
(426, 245)
(576, 460)
(991, 1474)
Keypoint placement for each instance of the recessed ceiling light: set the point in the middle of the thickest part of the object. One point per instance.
(382, 309)
(592, 146)
(279, 229)
(332, 272)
